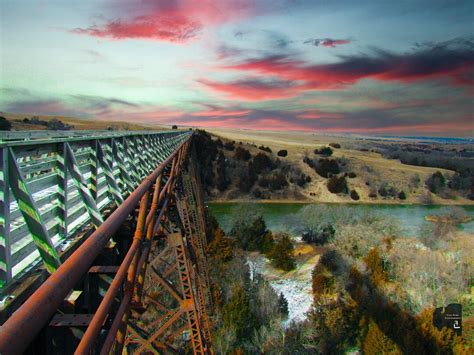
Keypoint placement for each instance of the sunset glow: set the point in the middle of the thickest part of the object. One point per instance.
(375, 67)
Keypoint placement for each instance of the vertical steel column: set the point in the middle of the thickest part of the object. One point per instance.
(5, 247)
(63, 188)
(31, 214)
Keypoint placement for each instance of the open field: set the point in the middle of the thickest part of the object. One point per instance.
(18, 123)
(369, 167)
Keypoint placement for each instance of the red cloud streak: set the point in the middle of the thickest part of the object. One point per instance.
(435, 63)
(254, 90)
(168, 21)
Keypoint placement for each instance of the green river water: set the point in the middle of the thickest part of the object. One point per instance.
(277, 215)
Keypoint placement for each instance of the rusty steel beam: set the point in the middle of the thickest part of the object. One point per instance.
(24, 325)
(117, 332)
(89, 337)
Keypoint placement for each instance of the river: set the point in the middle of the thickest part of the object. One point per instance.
(296, 285)
(411, 217)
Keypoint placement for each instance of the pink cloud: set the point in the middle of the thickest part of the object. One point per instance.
(327, 42)
(169, 21)
(254, 89)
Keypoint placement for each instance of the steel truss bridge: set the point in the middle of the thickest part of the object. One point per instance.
(102, 244)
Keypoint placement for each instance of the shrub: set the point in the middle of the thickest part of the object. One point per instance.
(251, 235)
(247, 179)
(335, 145)
(57, 125)
(174, 127)
(282, 153)
(326, 151)
(261, 162)
(402, 195)
(375, 264)
(5, 125)
(436, 182)
(373, 193)
(222, 181)
(426, 198)
(354, 195)
(229, 146)
(387, 191)
(278, 181)
(325, 167)
(351, 175)
(265, 149)
(415, 181)
(302, 180)
(206, 153)
(242, 154)
(282, 254)
(337, 185)
(219, 143)
(319, 236)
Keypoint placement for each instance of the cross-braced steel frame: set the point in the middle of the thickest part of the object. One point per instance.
(94, 298)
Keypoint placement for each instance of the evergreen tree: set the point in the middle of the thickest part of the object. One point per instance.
(221, 247)
(237, 313)
(267, 243)
(283, 305)
(282, 254)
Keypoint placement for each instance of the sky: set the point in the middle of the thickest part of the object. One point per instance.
(378, 67)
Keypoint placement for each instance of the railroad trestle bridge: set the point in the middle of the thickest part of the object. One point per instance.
(102, 244)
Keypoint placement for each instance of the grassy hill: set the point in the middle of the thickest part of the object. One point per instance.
(367, 172)
(25, 122)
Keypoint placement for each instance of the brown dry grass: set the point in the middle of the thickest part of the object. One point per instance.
(367, 165)
(78, 123)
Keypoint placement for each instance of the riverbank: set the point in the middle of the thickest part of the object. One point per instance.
(278, 215)
(446, 203)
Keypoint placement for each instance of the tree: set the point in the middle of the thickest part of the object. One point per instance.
(354, 195)
(242, 154)
(283, 305)
(250, 234)
(337, 185)
(206, 152)
(267, 243)
(282, 254)
(262, 162)
(436, 183)
(5, 125)
(221, 247)
(402, 195)
(326, 151)
(57, 125)
(327, 167)
(238, 314)
(222, 181)
(278, 181)
(229, 146)
(319, 236)
(282, 153)
(174, 127)
(375, 264)
(265, 149)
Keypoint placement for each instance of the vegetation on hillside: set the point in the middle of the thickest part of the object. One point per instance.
(372, 291)
(452, 157)
(249, 311)
(236, 170)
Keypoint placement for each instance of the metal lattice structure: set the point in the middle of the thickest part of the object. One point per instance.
(51, 188)
(114, 224)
